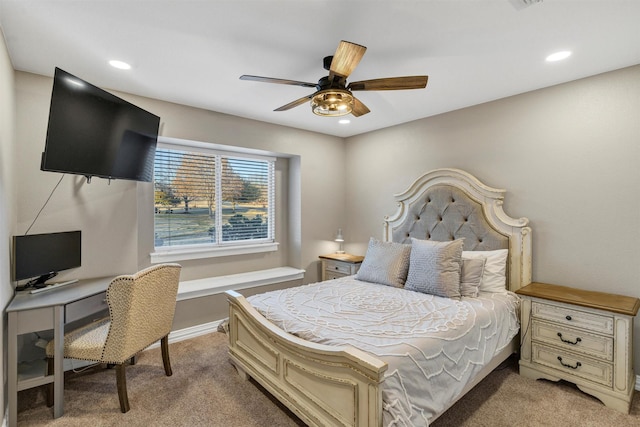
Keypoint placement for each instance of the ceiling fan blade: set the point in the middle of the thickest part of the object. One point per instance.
(359, 109)
(391, 83)
(278, 81)
(295, 103)
(346, 59)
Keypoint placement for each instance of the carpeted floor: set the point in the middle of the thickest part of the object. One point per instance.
(206, 391)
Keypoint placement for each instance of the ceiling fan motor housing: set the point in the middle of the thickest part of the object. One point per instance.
(326, 83)
(326, 62)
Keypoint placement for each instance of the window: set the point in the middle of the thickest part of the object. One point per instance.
(209, 201)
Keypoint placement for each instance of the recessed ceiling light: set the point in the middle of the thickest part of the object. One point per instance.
(558, 56)
(119, 64)
(344, 121)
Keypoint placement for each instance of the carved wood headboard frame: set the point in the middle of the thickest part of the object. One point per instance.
(450, 203)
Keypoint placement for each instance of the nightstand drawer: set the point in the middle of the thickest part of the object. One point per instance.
(575, 340)
(330, 275)
(337, 267)
(574, 318)
(572, 364)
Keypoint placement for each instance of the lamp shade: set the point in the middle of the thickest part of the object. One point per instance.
(340, 240)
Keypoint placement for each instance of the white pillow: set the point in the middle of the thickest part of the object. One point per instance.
(494, 277)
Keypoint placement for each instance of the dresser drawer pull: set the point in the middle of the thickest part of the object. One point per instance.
(578, 364)
(568, 317)
(568, 341)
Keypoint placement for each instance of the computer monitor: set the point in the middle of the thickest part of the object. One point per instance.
(40, 257)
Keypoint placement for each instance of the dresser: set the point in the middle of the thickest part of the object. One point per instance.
(339, 265)
(579, 336)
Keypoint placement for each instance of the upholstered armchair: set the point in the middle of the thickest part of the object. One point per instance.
(141, 310)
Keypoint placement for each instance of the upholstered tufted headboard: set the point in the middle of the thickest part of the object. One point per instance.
(448, 204)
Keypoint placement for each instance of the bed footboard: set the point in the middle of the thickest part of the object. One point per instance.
(323, 385)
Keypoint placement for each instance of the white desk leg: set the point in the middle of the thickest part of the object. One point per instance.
(58, 361)
(13, 368)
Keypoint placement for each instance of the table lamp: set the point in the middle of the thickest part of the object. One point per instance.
(340, 240)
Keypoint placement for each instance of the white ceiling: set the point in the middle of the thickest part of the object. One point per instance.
(192, 52)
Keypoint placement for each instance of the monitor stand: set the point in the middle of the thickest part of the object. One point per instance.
(38, 282)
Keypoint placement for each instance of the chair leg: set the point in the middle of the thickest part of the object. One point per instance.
(164, 344)
(121, 381)
(50, 385)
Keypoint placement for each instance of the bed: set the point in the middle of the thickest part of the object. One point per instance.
(336, 352)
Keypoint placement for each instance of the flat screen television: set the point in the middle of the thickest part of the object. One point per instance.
(92, 132)
(41, 256)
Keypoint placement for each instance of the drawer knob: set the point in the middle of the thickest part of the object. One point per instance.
(568, 317)
(578, 339)
(577, 365)
(336, 267)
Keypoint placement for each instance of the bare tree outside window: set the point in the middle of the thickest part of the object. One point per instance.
(188, 209)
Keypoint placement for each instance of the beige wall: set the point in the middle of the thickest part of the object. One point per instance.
(567, 155)
(115, 218)
(7, 196)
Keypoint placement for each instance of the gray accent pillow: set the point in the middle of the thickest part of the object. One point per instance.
(385, 263)
(471, 276)
(434, 267)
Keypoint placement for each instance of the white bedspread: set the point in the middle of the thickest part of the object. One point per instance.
(433, 345)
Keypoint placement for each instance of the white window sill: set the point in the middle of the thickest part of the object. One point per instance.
(216, 285)
(182, 254)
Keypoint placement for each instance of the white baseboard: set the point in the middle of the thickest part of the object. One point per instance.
(191, 332)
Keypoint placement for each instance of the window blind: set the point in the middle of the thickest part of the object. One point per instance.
(212, 198)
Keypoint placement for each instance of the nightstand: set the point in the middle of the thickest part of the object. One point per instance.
(339, 265)
(579, 336)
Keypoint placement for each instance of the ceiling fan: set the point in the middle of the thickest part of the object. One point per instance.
(333, 96)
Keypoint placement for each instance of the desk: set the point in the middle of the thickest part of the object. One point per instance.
(43, 311)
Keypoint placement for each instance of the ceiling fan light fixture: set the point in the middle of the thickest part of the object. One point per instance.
(332, 103)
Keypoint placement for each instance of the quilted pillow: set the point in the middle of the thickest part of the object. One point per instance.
(494, 277)
(434, 267)
(471, 276)
(385, 263)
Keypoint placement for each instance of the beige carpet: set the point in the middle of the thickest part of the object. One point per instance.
(206, 391)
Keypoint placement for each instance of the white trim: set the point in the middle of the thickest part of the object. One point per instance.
(210, 147)
(220, 284)
(190, 332)
(637, 383)
(182, 254)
